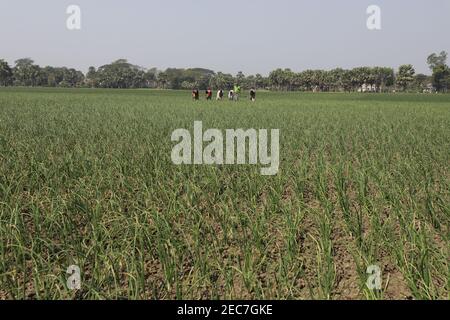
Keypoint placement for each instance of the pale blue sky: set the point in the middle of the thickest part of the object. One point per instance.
(250, 36)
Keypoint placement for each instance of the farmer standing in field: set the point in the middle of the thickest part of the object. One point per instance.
(237, 91)
(253, 94)
(208, 94)
(219, 95)
(231, 95)
(195, 94)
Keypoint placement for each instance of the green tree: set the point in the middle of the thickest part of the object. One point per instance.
(151, 78)
(319, 80)
(282, 79)
(53, 75)
(299, 81)
(435, 60)
(405, 76)
(250, 82)
(383, 78)
(240, 78)
(336, 79)
(6, 74)
(363, 76)
(276, 78)
(91, 77)
(260, 81)
(162, 80)
(186, 85)
(347, 80)
(120, 74)
(421, 82)
(440, 78)
(222, 81)
(25, 72)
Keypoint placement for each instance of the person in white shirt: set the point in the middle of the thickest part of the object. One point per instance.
(231, 95)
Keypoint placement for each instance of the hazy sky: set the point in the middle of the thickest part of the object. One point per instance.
(234, 35)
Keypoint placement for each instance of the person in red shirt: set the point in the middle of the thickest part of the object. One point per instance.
(209, 94)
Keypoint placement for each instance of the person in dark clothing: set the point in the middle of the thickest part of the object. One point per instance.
(195, 94)
(253, 94)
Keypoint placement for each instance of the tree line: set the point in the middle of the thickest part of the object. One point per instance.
(122, 74)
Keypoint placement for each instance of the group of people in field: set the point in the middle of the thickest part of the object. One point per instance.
(233, 94)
